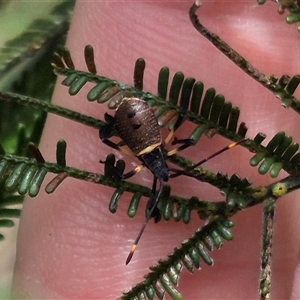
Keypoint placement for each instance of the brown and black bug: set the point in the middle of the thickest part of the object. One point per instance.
(137, 126)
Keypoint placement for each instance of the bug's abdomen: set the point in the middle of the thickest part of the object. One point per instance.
(137, 125)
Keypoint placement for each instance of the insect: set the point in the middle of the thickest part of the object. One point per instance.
(137, 126)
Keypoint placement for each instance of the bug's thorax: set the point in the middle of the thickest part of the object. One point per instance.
(137, 126)
(156, 163)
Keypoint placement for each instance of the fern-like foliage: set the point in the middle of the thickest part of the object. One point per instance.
(283, 88)
(165, 275)
(293, 9)
(207, 109)
(280, 153)
(211, 114)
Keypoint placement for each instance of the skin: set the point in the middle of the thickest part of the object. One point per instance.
(71, 247)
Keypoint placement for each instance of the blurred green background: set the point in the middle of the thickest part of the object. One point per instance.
(31, 31)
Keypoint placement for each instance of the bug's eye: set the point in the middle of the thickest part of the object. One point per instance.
(131, 114)
(136, 125)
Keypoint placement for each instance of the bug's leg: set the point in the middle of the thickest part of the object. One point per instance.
(148, 217)
(120, 176)
(230, 146)
(104, 134)
(175, 127)
(133, 172)
(155, 213)
(185, 142)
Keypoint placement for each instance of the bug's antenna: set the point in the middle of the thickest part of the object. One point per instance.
(208, 158)
(148, 217)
